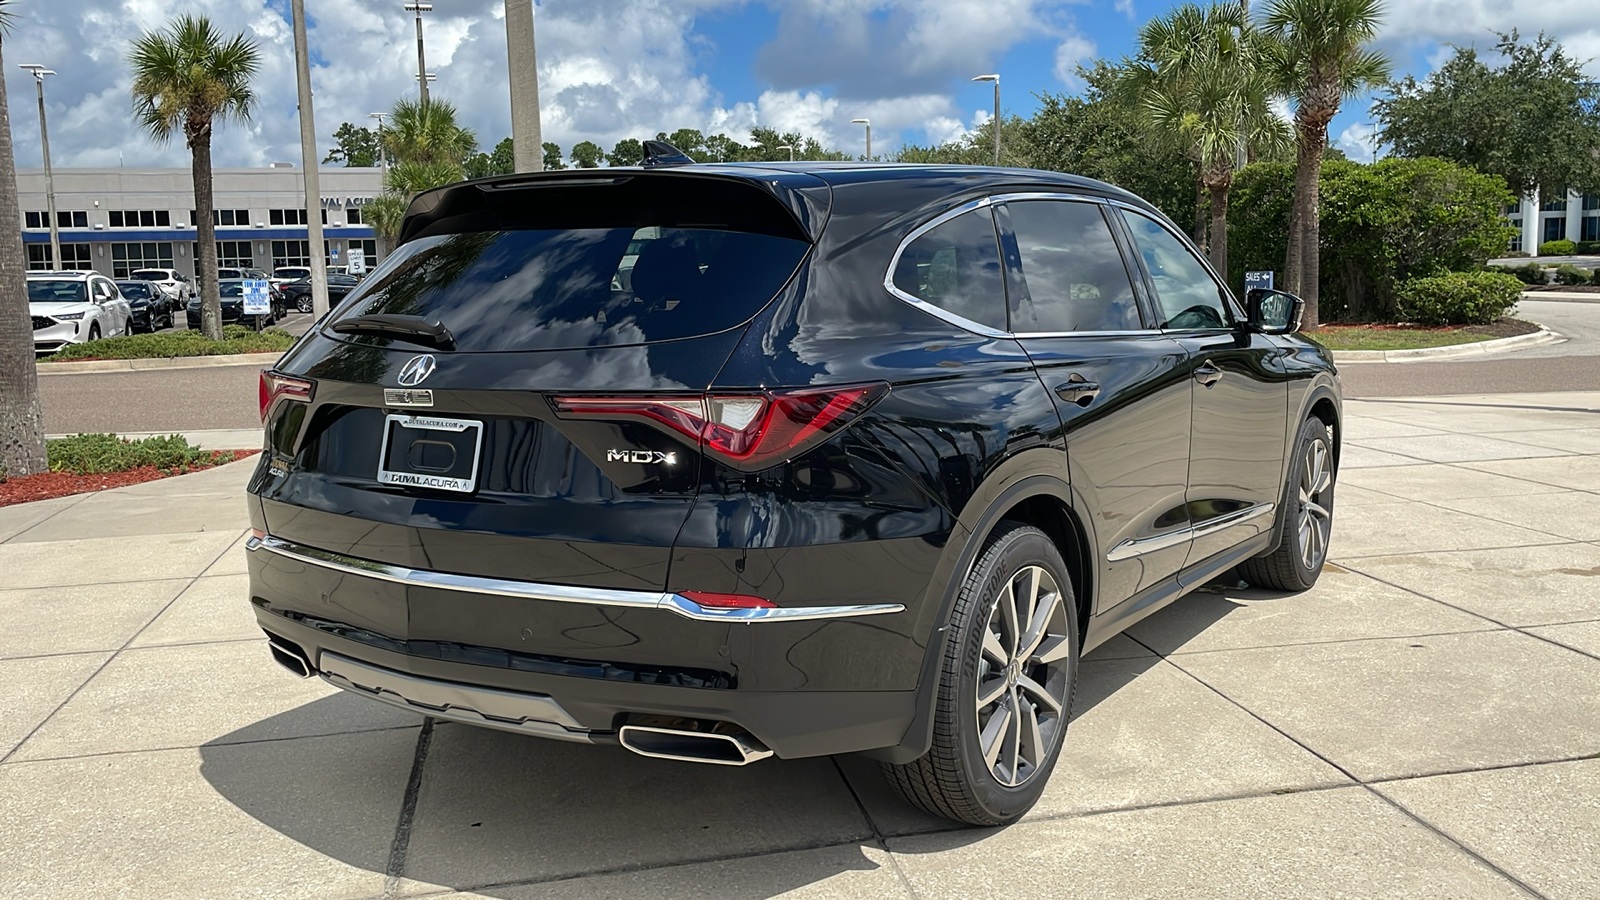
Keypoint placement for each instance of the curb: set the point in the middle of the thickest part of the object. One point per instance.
(1453, 351)
(95, 366)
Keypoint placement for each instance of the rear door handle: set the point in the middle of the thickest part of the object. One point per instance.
(1208, 374)
(1078, 391)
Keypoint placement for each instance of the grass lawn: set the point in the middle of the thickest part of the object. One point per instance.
(1402, 337)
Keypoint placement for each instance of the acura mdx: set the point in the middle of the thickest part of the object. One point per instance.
(723, 462)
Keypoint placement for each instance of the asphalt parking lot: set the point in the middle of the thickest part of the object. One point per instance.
(1422, 724)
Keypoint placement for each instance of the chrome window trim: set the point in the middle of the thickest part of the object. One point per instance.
(1140, 546)
(558, 593)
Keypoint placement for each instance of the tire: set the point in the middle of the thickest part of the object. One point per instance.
(955, 779)
(94, 332)
(1305, 520)
(127, 327)
(303, 304)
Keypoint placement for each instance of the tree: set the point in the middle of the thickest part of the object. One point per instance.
(552, 157)
(1325, 59)
(22, 449)
(386, 212)
(587, 154)
(1097, 136)
(627, 152)
(1202, 83)
(427, 132)
(501, 162)
(184, 78)
(354, 146)
(1534, 120)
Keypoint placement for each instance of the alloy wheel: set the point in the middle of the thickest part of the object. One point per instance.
(1315, 522)
(1023, 676)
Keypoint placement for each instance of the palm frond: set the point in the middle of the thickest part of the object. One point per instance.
(187, 74)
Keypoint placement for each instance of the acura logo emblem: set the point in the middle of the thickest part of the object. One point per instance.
(416, 369)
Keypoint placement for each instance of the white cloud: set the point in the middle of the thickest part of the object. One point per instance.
(1125, 7)
(1416, 24)
(1073, 50)
(1359, 141)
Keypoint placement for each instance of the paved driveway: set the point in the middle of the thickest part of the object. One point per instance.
(1423, 724)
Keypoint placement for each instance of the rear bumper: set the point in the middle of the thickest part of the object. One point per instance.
(660, 654)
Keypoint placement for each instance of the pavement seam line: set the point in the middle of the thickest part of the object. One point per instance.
(394, 868)
(877, 833)
(171, 749)
(1446, 837)
(80, 498)
(117, 652)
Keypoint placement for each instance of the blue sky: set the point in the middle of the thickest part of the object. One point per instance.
(611, 69)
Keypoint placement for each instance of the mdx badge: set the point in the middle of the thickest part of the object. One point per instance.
(642, 456)
(416, 369)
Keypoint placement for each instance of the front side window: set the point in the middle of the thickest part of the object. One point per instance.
(1186, 294)
(956, 266)
(1074, 275)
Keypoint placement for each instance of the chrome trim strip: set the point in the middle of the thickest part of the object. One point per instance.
(535, 714)
(559, 593)
(1140, 546)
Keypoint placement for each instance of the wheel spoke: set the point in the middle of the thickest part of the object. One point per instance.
(1053, 649)
(992, 740)
(1013, 738)
(1032, 747)
(1036, 690)
(1038, 628)
(990, 691)
(1030, 603)
(1008, 619)
(1323, 483)
(993, 649)
(1317, 511)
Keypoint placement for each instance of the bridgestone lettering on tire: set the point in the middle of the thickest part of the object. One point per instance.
(1005, 694)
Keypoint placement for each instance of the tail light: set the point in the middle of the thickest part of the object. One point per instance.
(274, 386)
(727, 601)
(746, 431)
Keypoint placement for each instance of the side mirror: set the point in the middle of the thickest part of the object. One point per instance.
(1273, 312)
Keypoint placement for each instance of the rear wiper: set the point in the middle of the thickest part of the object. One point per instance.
(413, 329)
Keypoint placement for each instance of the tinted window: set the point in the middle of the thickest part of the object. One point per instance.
(1186, 294)
(231, 289)
(550, 289)
(57, 291)
(135, 290)
(149, 275)
(1075, 276)
(956, 267)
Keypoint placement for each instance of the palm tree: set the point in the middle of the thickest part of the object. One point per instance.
(427, 132)
(1325, 59)
(1203, 83)
(22, 449)
(185, 77)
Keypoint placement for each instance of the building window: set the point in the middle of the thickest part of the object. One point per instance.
(1591, 201)
(230, 254)
(230, 217)
(286, 216)
(75, 257)
(64, 219)
(140, 218)
(1589, 231)
(1555, 228)
(126, 258)
(369, 251)
(352, 216)
(1516, 239)
(290, 253)
(1554, 205)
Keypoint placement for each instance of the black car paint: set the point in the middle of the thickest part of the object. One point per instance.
(148, 313)
(299, 292)
(894, 508)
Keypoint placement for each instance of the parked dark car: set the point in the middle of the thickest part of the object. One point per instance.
(232, 290)
(863, 460)
(152, 308)
(299, 292)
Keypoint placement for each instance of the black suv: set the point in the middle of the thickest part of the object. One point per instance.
(720, 462)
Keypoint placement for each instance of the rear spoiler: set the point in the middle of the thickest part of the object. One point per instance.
(737, 198)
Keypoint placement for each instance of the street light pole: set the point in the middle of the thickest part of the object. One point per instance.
(788, 147)
(383, 157)
(996, 80)
(39, 72)
(868, 123)
(527, 144)
(308, 163)
(422, 66)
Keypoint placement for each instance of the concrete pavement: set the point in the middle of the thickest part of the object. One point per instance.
(1422, 724)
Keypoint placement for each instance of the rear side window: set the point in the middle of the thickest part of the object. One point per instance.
(591, 287)
(956, 266)
(1075, 276)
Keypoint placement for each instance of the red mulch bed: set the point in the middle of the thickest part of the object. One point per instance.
(1499, 328)
(49, 485)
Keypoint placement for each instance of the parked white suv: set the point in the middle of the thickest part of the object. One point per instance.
(282, 275)
(75, 307)
(174, 283)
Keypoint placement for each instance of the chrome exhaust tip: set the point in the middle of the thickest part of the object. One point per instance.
(290, 656)
(716, 748)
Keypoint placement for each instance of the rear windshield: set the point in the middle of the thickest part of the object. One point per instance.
(134, 291)
(57, 291)
(592, 287)
(291, 273)
(233, 289)
(149, 275)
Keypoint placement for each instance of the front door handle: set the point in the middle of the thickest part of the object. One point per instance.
(1208, 374)
(1078, 391)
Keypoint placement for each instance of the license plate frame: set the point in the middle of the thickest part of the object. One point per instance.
(450, 483)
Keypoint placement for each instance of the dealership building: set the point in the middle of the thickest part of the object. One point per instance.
(1572, 216)
(114, 221)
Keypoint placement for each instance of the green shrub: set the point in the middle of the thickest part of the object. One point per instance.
(1562, 247)
(1527, 273)
(87, 454)
(1597, 277)
(1458, 298)
(1588, 248)
(235, 339)
(1570, 275)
